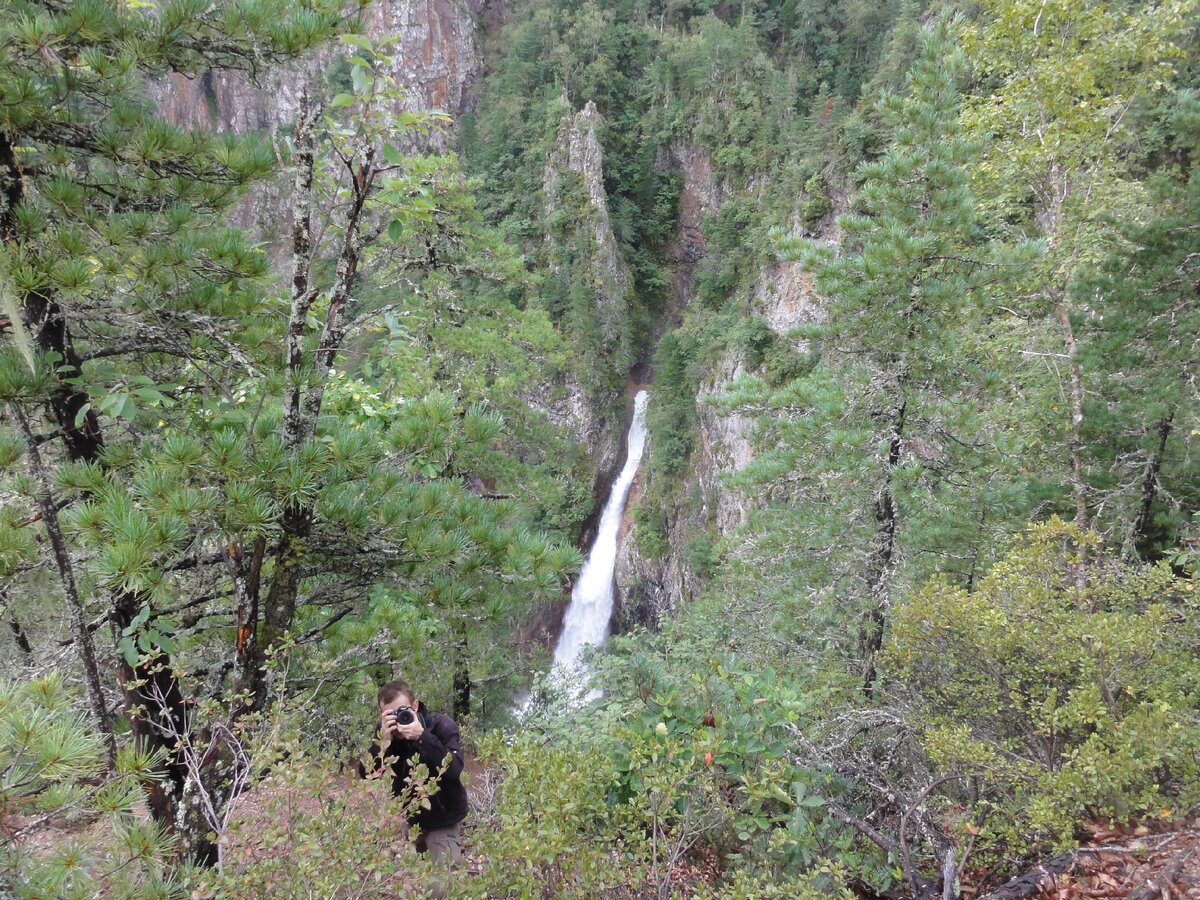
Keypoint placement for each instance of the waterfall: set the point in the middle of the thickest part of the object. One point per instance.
(587, 617)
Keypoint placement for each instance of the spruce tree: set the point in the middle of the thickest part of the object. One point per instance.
(879, 458)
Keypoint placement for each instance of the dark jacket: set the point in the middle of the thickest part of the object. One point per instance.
(449, 804)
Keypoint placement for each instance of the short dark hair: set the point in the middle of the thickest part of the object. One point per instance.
(394, 689)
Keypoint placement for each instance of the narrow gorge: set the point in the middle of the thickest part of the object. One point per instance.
(748, 451)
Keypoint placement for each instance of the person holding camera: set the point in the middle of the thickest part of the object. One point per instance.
(408, 734)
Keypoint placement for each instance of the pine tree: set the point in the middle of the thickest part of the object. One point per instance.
(1059, 84)
(238, 503)
(1142, 344)
(53, 765)
(114, 252)
(881, 456)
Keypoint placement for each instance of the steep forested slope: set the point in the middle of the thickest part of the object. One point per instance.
(296, 399)
(727, 134)
(890, 281)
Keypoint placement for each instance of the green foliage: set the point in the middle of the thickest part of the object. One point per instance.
(731, 258)
(234, 508)
(408, 486)
(79, 238)
(52, 764)
(1076, 180)
(699, 554)
(306, 831)
(1064, 685)
(877, 460)
(818, 204)
(825, 881)
(671, 416)
(901, 437)
(707, 714)
(1143, 419)
(650, 531)
(1045, 63)
(549, 825)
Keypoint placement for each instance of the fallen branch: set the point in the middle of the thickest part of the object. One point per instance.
(1046, 876)
(1163, 884)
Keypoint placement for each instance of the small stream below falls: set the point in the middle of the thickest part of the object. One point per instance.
(588, 615)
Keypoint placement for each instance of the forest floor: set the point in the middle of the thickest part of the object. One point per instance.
(272, 808)
(1156, 860)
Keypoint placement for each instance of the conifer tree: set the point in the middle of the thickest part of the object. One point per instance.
(1059, 85)
(881, 448)
(1141, 345)
(114, 252)
(53, 766)
(225, 497)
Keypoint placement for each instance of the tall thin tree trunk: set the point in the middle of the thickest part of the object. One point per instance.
(1078, 482)
(246, 581)
(303, 294)
(66, 576)
(149, 688)
(1137, 528)
(462, 671)
(345, 274)
(887, 519)
(303, 409)
(288, 551)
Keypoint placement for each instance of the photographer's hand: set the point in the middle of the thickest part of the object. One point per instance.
(410, 732)
(388, 723)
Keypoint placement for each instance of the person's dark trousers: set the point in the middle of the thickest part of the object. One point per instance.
(444, 846)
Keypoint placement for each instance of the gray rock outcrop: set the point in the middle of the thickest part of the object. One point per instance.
(435, 57)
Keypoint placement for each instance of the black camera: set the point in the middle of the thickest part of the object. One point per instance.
(404, 715)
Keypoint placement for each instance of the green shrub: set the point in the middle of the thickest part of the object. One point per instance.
(700, 554)
(671, 415)
(825, 882)
(1065, 686)
(650, 531)
(549, 827)
(817, 204)
(54, 774)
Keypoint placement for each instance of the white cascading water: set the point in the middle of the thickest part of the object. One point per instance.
(587, 617)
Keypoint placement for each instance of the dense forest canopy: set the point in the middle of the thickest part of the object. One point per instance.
(293, 406)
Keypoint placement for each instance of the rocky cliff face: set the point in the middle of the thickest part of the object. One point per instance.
(699, 196)
(435, 58)
(784, 298)
(573, 187)
(577, 161)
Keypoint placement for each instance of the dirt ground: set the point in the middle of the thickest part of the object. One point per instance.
(1157, 860)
